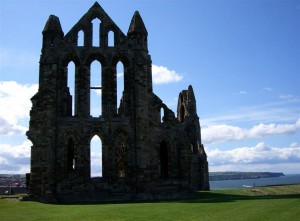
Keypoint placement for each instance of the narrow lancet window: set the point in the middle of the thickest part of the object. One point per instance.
(111, 40)
(96, 157)
(80, 40)
(95, 89)
(96, 32)
(120, 82)
(71, 86)
(162, 114)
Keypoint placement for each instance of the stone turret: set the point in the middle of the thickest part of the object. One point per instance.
(137, 33)
(52, 31)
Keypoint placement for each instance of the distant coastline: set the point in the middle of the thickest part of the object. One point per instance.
(20, 180)
(215, 176)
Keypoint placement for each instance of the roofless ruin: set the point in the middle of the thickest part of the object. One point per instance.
(147, 152)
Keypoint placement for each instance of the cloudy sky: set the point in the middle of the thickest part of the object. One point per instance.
(242, 58)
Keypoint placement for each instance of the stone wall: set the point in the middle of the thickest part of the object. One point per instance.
(144, 155)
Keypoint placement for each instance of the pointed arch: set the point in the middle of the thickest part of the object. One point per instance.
(95, 56)
(70, 57)
(96, 157)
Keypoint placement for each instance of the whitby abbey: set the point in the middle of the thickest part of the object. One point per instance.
(148, 152)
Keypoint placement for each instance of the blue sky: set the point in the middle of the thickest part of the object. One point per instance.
(242, 58)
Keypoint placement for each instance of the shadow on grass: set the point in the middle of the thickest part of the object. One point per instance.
(211, 197)
(214, 196)
(200, 197)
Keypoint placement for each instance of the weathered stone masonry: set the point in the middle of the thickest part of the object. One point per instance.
(143, 157)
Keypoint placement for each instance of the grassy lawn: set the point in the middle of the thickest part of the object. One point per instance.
(261, 203)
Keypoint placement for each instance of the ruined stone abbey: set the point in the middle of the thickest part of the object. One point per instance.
(147, 152)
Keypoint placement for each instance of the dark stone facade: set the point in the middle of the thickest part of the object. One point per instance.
(144, 155)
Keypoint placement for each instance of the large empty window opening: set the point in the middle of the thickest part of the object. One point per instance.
(96, 89)
(71, 86)
(96, 157)
(96, 32)
(120, 82)
(163, 160)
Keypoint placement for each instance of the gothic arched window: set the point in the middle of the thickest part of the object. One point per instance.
(111, 40)
(96, 89)
(96, 33)
(80, 39)
(120, 82)
(162, 114)
(71, 85)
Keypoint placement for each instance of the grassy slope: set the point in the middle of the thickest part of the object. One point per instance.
(266, 203)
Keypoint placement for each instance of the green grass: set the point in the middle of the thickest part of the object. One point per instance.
(264, 203)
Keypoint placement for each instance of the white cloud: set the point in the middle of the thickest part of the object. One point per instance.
(163, 75)
(15, 159)
(98, 91)
(15, 105)
(263, 130)
(261, 153)
(295, 144)
(289, 98)
(242, 92)
(224, 132)
(221, 133)
(10, 129)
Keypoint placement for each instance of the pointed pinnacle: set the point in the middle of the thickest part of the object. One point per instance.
(137, 25)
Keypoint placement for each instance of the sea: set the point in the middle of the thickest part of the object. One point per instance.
(235, 184)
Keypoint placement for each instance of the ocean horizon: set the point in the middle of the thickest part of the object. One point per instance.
(244, 183)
